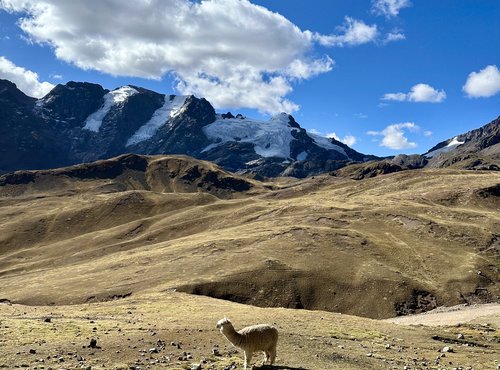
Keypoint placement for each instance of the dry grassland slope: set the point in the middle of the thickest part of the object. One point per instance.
(395, 244)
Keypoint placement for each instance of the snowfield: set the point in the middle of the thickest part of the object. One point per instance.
(451, 145)
(115, 97)
(172, 107)
(325, 143)
(270, 139)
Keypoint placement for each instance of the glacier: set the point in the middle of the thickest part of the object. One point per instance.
(172, 107)
(270, 139)
(115, 97)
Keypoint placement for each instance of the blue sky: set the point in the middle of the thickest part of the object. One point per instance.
(386, 76)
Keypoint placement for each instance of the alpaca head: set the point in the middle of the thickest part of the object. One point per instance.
(223, 323)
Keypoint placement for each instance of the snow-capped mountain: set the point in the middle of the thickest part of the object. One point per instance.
(82, 122)
(476, 149)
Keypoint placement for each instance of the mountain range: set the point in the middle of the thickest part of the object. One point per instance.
(82, 122)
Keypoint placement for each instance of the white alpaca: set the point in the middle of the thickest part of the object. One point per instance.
(252, 339)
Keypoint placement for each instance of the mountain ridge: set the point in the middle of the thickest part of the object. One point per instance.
(81, 122)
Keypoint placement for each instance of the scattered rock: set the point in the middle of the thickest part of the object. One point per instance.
(460, 336)
(447, 349)
(216, 352)
(93, 343)
(196, 367)
(32, 351)
(47, 319)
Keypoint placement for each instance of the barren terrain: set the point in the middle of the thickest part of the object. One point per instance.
(110, 245)
(176, 331)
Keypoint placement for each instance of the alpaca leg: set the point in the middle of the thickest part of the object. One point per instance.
(268, 356)
(248, 359)
(272, 355)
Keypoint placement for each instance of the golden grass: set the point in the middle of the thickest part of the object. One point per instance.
(339, 245)
(126, 329)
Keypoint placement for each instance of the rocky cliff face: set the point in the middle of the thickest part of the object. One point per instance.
(477, 149)
(82, 122)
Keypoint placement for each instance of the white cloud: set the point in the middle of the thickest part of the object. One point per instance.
(302, 69)
(355, 32)
(234, 53)
(26, 81)
(427, 133)
(394, 36)
(484, 83)
(348, 140)
(389, 8)
(56, 76)
(394, 135)
(420, 93)
(395, 96)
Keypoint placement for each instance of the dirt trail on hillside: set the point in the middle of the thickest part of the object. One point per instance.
(489, 313)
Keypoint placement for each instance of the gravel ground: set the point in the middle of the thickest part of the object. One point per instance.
(455, 315)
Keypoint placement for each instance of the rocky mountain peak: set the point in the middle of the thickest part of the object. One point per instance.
(475, 149)
(81, 122)
(10, 94)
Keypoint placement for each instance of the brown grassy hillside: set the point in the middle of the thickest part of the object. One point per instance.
(394, 244)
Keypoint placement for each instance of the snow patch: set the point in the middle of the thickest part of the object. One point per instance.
(302, 156)
(448, 148)
(325, 143)
(270, 139)
(282, 118)
(115, 97)
(172, 107)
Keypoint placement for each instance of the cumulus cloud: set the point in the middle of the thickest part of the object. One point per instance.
(354, 32)
(348, 140)
(234, 53)
(420, 93)
(26, 81)
(484, 83)
(394, 135)
(389, 8)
